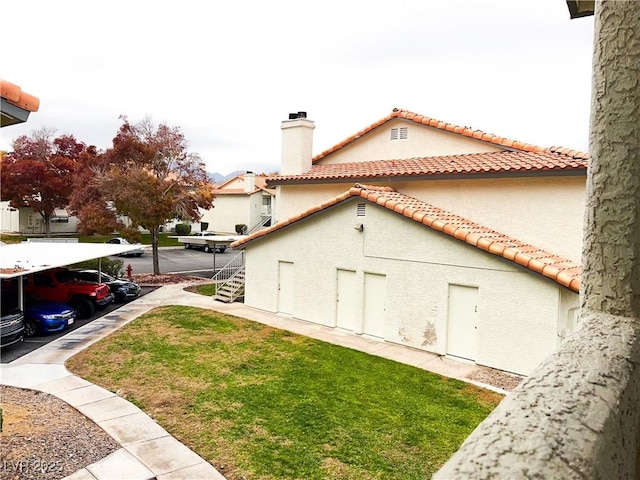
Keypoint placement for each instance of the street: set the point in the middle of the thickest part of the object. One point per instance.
(180, 260)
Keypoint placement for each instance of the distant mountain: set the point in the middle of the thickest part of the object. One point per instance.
(219, 179)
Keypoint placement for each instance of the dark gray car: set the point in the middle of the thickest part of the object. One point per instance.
(122, 289)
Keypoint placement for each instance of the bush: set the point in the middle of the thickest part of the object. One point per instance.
(183, 229)
(110, 266)
(241, 228)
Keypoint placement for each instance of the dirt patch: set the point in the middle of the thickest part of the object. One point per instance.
(496, 378)
(166, 279)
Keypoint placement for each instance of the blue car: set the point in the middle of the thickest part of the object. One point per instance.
(43, 316)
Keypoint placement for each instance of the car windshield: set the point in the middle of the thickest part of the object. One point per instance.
(91, 276)
(64, 276)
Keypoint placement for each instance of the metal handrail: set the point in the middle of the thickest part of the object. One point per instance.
(259, 225)
(230, 270)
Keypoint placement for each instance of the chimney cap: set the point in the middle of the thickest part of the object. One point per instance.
(293, 116)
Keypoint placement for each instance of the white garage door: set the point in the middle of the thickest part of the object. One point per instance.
(462, 321)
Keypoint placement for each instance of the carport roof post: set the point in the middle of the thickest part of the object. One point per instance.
(25, 258)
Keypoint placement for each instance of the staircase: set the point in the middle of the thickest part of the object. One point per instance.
(230, 280)
(232, 289)
(265, 219)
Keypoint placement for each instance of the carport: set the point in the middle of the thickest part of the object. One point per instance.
(17, 260)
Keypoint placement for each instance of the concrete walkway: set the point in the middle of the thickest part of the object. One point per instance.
(148, 451)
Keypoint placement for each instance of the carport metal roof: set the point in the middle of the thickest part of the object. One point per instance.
(24, 258)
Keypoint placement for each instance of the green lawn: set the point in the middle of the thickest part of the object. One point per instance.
(265, 403)
(163, 239)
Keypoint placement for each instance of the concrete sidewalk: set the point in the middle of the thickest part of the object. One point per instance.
(148, 451)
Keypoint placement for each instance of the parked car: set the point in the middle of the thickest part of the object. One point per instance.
(11, 324)
(124, 241)
(204, 245)
(43, 316)
(123, 290)
(59, 285)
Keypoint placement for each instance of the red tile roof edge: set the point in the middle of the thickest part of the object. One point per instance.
(562, 271)
(13, 94)
(449, 127)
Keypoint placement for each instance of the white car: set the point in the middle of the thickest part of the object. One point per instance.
(124, 241)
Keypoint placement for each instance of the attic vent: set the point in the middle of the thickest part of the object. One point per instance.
(360, 210)
(399, 133)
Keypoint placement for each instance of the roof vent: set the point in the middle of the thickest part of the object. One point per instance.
(293, 116)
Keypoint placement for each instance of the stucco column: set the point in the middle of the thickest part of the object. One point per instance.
(577, 416)
(611, 251)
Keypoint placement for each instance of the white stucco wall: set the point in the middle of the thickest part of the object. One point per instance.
(519, 311)
(421, 141)
(547, 212)
(230, 210)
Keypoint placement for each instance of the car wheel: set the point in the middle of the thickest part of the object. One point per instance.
(207, 249)
(186, 245)
(138, 254)
(84, 307)
(30, 329)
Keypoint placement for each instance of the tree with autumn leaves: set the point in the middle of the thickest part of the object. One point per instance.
(152, 178)
(39, 172)
(148, 177)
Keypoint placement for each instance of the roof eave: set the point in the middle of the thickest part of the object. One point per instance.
(580, 8)
(12, 114)
(573, 172)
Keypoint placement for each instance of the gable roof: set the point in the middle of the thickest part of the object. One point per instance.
(517, 163)
(561, 270)
(260, 185)
(439, 124)
(517, 158)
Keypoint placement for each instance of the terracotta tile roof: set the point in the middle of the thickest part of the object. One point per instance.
(260, 184)
(13, 94)
(561, 270)
(432, 122)
(510, 162)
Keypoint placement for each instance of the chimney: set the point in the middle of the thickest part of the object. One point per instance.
(249, 182)
(297, 144)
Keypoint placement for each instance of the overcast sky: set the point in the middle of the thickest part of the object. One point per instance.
(228, 73)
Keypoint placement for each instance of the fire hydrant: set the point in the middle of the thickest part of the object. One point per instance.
(129, 270)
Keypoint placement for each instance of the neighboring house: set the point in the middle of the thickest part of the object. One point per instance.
(377, 262)
(242, 200)
(26, 221)
(532, 193)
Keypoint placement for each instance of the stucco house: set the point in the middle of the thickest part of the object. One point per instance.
(427, 234)
(245, 200)
(377, 262)
(533, 193)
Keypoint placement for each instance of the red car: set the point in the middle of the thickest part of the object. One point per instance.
(61, 285)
